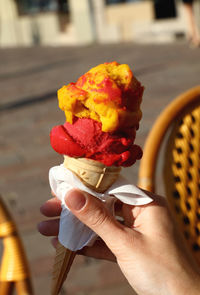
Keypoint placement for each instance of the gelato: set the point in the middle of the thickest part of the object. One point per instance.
(102, 115)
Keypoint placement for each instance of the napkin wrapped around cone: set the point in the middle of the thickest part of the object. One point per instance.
(97, 177)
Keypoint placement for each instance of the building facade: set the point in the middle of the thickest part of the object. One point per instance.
(75, 22)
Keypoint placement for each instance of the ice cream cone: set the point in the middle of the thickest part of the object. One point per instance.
(93, 174)
(96, 176)
(63, 261)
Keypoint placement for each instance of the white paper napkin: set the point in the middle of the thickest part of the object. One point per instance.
(73, 234)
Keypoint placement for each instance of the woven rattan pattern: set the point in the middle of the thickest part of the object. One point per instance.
(182, 176)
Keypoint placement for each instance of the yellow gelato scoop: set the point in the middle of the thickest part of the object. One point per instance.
(108, 93)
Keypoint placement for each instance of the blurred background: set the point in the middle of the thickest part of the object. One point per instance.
(45, 44)
(68, 22)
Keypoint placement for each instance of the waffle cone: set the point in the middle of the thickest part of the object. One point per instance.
(99, 178)
(62, 264)
(93, 174)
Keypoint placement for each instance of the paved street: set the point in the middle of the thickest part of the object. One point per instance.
(29, 79)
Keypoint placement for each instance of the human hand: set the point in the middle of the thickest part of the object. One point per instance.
(147, 246)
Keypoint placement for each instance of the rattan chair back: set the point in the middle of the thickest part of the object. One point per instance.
(14, 270)
(181, 163)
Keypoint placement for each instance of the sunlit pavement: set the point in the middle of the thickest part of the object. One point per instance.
(29, 79)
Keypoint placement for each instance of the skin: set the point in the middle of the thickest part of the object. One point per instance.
(148, 248)
(193, 30)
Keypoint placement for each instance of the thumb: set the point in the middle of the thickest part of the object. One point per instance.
(95, 215)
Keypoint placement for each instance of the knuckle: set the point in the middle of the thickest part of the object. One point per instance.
(98, 218)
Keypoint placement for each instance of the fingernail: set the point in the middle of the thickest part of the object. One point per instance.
(75, 200)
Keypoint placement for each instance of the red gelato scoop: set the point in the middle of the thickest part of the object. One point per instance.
(84, 138)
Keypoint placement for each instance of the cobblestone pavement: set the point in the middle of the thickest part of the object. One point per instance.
(29, 79)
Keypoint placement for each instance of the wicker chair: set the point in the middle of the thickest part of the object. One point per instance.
(181, 163)
(14, 271)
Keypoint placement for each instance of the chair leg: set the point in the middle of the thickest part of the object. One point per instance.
(6, 288)
(23, 287)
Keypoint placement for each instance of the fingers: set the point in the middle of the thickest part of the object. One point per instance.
(127, 213)
(54, 242)
(49, 227)
(51, 208)
(99, 251)
(93, 213)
